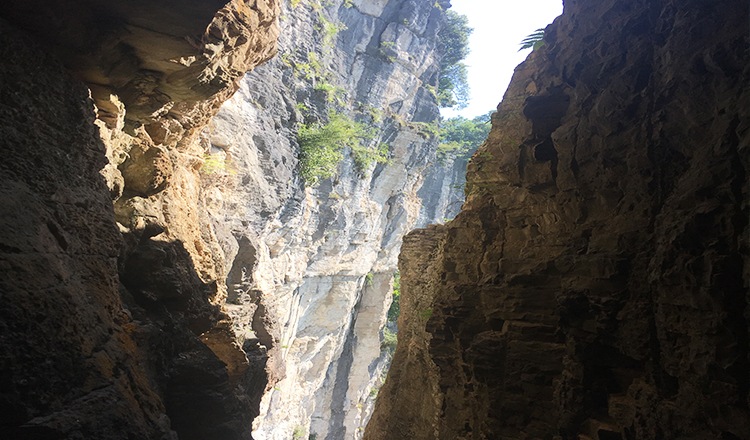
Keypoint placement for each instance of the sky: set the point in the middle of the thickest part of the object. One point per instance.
(499, 26)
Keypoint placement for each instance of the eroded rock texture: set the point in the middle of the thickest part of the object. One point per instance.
(103, 313)
(595, 285)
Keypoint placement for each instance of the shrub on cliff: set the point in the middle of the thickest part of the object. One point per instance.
(460, 137)
(321, 145)
(390, 339)
(395, 310)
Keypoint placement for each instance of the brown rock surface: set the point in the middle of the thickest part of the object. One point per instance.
(68, 363)
(595, 285)
(158, 56)
(100, 329)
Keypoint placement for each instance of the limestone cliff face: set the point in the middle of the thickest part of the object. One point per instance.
(220, 287)
(309, 268)
(595, 285)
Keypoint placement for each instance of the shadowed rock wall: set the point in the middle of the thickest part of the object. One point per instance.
(100, 321)
(595, 285)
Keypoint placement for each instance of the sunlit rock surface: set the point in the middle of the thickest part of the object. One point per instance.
(595, 285)
(312, 266)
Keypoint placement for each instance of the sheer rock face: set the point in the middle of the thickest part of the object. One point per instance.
(112, 325)
(309, 268)
(595, 285)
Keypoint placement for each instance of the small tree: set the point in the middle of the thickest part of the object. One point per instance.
(453, 84)
(460, 136)
(321, 145)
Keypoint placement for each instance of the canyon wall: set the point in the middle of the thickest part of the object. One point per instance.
(312, 264)
(222, 286)
(595, 285)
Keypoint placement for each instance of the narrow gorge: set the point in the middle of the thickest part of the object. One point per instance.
(183, 257)
(227, 291)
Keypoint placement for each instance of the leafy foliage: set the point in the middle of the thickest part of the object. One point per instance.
(460, 137)
(453, 85)
(390, 339)
(534, 40)
(321, 145)
(299, 432)
(365, 155)
(455, 38)
(329, 30)
(395, 310)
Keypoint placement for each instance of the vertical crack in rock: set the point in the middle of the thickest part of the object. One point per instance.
(336, 428)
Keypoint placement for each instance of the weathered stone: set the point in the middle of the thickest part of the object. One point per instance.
(111, 360)
(595, 285)
(68, 364)
(233, 277)
(317, 262)
(147, 171)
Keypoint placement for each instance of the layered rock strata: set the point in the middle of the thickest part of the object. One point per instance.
(595, 285)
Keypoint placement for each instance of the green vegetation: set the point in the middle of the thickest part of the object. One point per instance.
(425, 314)
(395, 310)
(426, 129)
(321, 145)
(453, 85)
(313, 69)
(368, 279)
(364, 156)
(534, 40)
(390, 339)
(332, 92)
(329, 30)
(215, 163)
(286, 58)
(460, 137)
(375, 113)
(385, 48)
(299, 431)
